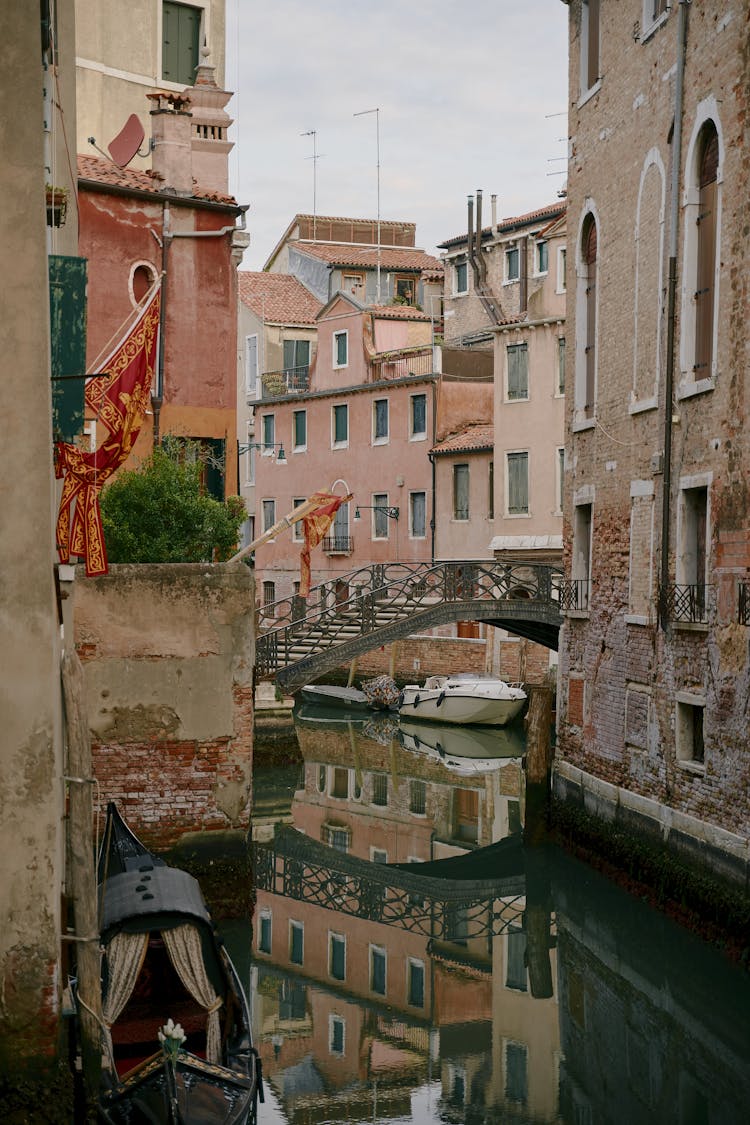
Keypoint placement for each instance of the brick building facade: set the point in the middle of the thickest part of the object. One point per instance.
(655, 673)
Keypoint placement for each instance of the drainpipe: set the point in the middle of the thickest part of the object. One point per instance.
(481, 264)
(432, 518)
(470, 243)
(523, 274)
(671, 301)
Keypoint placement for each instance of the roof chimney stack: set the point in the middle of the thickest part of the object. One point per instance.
(171, 159)
(493, 208)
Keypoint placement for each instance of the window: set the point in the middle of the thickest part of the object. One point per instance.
(641, 547)
(340, 787)
(249, 457)
(251, 365)
(585, 397)
(321, 779)
(269, 594)
(380, 789)
(518, 371)
(491, 491)
(560, 478)
(340, 542)
(377, 969)
(518, 484)
(417, 515)
(296, 363)
(542, 257)
(460, 278)
(460, 492)
(354, 283)
(648, 283)
(264, 934)
(337, 956)
(380, 420)
(417, 797)
(405, 289)
(705, 281)
(298, 531)
(299, 428)
(340, 419)
(512, 264)
(181, 26)
(692, 548)
(415, 984)
(689, 732)
(653, 10)
(561, 365)
(297, 943)
(562, 262)
(142, 279)
(516, 1072)
(589, 45)
(378, 855)
(380, 515)
(340, 349)
(269, 514)
(581, 562)
(269, 433)
(418, 416)
(336, 1035)
(515, 969)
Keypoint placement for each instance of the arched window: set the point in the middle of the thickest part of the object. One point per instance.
(649, 243)
(142, 278)
(705, 269)
(589, 256)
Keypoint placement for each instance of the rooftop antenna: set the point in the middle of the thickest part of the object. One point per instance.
(363, 113)
(315, 158)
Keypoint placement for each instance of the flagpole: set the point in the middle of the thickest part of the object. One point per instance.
(293, 517)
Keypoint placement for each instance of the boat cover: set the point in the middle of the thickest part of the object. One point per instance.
(139, 900)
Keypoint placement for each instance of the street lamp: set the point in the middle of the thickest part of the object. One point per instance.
(392, 513)
(247, 446)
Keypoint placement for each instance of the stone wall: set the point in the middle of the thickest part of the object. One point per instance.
(168, 655)
(420, 656)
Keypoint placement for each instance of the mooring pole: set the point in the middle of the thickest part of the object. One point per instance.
(538, 913)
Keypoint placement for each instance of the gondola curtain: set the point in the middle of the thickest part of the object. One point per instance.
(186, 954)
(125, 956)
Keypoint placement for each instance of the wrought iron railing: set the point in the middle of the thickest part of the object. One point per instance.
(291, 380)
(382, 593)
(338, 544)
(400, 366)
(744, 603)
(686, 602)
(575, 594)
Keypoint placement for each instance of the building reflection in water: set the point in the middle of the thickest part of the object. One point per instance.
(405, 954)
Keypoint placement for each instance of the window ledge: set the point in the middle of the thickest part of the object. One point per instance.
(638, 406)
(646, 35)
(418, 437)
(588, 94)
(576, 614)
(510, 401)
(518, 515)
(698, 769)
(687, 388)
(581, 424)
(510, 281)
(691, 626)
(636, 619)
(381, 441)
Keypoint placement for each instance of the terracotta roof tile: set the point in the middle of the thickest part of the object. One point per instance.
(551, 211)
(391, 259)
(397, 312)
(472, 439)
(103, 172)
(278, 297)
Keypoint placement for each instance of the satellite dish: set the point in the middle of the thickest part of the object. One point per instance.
(127, 142)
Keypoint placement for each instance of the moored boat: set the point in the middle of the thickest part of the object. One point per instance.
(464, 699)
(464, 750)
(163, 960)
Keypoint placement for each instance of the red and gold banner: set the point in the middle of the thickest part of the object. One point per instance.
(315, 525)
(119, 399)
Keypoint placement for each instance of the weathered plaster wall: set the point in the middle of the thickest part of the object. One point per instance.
(168, 656)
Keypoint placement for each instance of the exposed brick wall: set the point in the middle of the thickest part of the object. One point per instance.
(521, 660)
(168, 657)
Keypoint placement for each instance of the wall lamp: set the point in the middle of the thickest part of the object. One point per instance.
(263, 446)
(392, 513)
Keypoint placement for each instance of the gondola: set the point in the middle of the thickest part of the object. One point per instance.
(163, 960)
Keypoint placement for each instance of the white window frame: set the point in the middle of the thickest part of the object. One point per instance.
(372, 950)
(650, 23)
(336, 336)
(249, 456)
(380, 500)
(345, 443)
(378, 851)
(335, 1019)
(640, 490)
(521, 346)
(456, 266)
(507, 279)
(251, 379)
(649, 402)
(295, 924)
(588, 88)
(264, 501)
(417, 963)
(517, 515)
(558, 353)
(334, 936)
(268, 448)
(682, 571)
(298, 448)
(684, 747)
(382, 440)
(582, 554)
(266, 915)
(582, 421)
(559, 479)
(417, 435)
(412, 534)
(298, 535)
(539, 242)
(561, 283)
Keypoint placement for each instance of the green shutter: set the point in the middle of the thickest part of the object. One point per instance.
(67, 317)
(181, 26)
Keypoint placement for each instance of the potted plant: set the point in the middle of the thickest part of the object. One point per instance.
(56, 199)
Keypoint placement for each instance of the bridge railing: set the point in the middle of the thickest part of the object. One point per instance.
(360, 600)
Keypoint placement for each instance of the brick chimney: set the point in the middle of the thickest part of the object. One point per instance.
(210, 126)
(171, 158)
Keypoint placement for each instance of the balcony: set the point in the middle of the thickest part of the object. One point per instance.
(396, 365)
(338, 544)
(744, 603)
(289, 381)
(685, 604)
(574, 594)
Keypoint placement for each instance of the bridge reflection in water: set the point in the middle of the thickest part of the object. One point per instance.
(393, 984)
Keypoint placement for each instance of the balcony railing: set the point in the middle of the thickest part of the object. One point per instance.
(744, 603)
(400, 366)
(574, 593)
(338, 544)
(292, 380)
(685, 602)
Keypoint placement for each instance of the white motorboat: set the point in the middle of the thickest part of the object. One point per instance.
(463, 698)
(463, 750)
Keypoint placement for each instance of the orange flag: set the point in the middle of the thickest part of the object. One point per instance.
(119, 398)
(315, 525)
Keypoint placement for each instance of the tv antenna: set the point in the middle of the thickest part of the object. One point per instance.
(363, 113)
(315, 158)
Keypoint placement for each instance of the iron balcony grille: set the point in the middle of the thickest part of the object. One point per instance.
(574, 594)
(686, 602)
(396, 366)
(744, 603)
(291, 380)
(338, 544)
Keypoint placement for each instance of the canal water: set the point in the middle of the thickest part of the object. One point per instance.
(410, 961)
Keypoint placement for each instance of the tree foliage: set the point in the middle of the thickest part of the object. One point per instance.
(159, 512)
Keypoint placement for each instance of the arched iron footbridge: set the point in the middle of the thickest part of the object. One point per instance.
(301, 638)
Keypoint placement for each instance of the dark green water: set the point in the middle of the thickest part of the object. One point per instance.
(476, 981)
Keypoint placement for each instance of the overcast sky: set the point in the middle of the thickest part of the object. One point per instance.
(471, 95)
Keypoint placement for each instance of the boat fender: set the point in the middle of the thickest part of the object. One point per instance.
(440, 698)
(400, 700)
(416, 700)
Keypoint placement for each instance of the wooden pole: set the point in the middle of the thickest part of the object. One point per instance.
(82, 875)
(392, 662)
(352, 672)
(538, 761)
